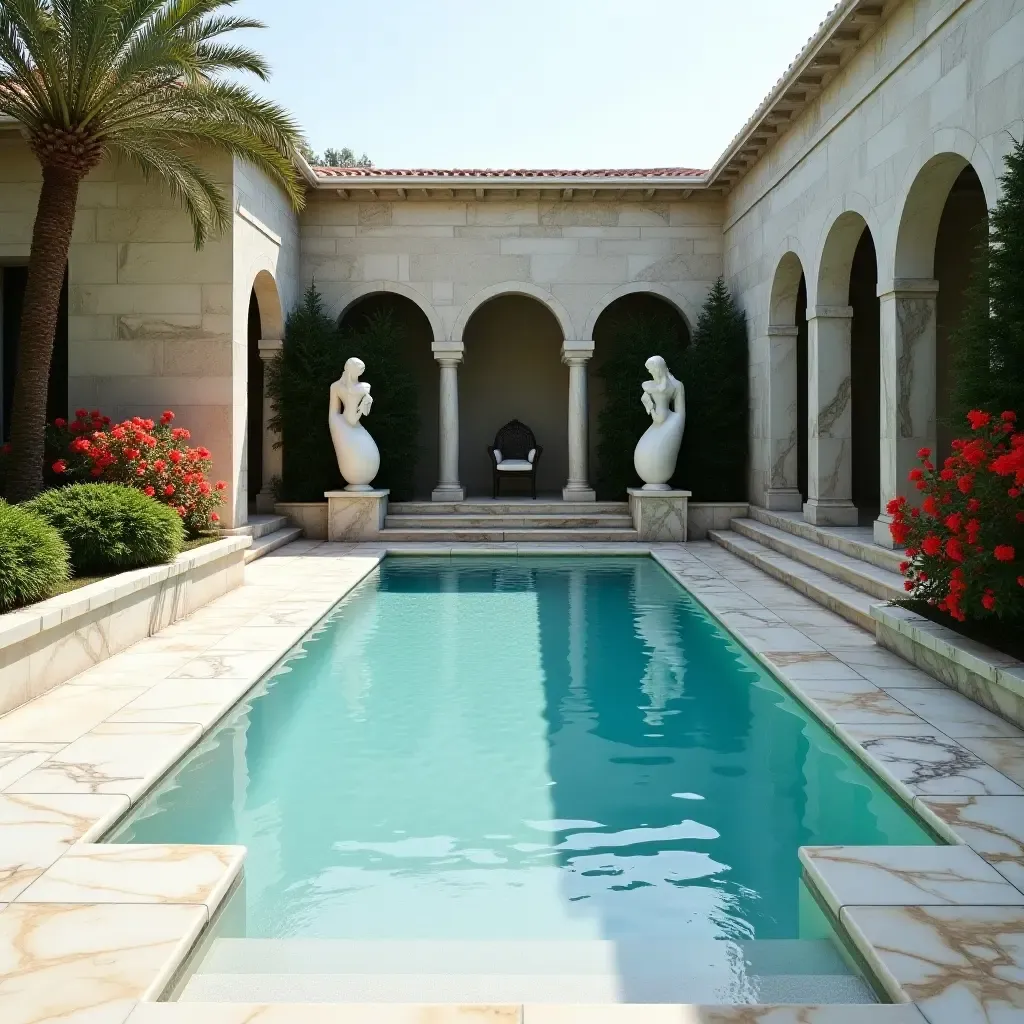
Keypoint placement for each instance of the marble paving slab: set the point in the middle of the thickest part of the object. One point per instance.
(855, 702)
(313, 1013)
(1003, 753)
(198, 701)
(17, 759)
(65, 713)
(954, 714)
(905, 875)
(959, 965)
(655, 1014)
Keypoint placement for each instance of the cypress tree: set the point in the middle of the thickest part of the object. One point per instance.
(988, 346)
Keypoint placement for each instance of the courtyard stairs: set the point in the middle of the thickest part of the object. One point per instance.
(268, 532)
(523, 521)
(841, 568)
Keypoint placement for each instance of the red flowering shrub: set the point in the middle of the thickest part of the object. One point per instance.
(965, 544)
(156, 458)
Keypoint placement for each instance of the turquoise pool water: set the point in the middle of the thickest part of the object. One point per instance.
(558, 749)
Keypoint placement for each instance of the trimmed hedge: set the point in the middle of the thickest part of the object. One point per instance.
(33, 558)
(110, 527)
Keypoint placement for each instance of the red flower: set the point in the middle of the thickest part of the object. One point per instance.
(59, 466)
(220, 485)
(931, 545)
(167, 416)
(6, 450)
(149, 490)
(159, 465)
(60, 423)
(978, 419)
(915, 474)
(216, 519)
(923, 453)
(953, 522)
(80, 414)
(904, 566)
(174, 455)
(988, 600)
(930, 506)
(169, 490)
(954, 550)
(908, 585)
(965, 483)
(1004, 552)
(95, 471)
(1008, 417)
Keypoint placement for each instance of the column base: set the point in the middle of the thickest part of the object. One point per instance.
(883, 538)
(355, 515)
(448, 492)
(783, 499)
(830, 512)
(659, 515)
(265, 501)
(578, 492)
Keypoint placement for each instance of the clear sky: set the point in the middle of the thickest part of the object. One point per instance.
(528, 83)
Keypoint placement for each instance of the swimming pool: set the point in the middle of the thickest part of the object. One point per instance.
(559, 750)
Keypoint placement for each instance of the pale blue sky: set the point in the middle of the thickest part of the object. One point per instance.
(528, 83)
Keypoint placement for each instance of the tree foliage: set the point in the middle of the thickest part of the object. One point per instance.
(331, 157)
(299, 379)
(988, 346)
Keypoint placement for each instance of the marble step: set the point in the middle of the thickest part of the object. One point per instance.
(854, 541)
(508, 507)
(849, 602)
(880, 583)
(520, 521)
(258, 526)
(484, 535)
(266, 543)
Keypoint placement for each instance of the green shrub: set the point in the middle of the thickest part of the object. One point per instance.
(298, 382)
(111, 527)
(33, 558)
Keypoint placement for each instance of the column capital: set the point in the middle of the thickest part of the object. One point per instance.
(269, 348)
(830, 312)
(783, 330)
(448, 353)
(577, 352)
(908, 286)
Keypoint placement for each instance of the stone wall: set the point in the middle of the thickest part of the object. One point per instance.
(940, 77)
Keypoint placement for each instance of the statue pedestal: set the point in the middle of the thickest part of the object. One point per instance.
(355, 515)
(658, 515)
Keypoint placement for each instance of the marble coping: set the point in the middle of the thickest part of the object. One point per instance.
(48, 642)
(987, 676)
(95, 934)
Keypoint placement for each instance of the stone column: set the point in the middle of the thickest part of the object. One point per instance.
(907, 347)
(577, 487)
(448, 356)
(829, 406)
(269, 349)
(783, 492)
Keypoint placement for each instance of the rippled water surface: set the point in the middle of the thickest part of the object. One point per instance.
(509, 749)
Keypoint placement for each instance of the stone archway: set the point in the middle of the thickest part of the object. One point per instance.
(512, 370)
(265, 331)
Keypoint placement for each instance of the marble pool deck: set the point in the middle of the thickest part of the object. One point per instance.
(96, 934)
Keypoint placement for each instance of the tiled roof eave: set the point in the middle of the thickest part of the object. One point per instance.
(508, 182)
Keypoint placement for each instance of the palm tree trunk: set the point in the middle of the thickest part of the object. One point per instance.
(48, 257)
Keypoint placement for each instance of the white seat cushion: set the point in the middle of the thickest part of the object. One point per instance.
(497, 455)
(531, 455)
(515, 466)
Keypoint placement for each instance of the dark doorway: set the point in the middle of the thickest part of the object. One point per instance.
(801, 387)
(865, 383)
(254, 429)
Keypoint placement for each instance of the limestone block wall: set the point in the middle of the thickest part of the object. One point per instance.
(941, 76)
(450, 256)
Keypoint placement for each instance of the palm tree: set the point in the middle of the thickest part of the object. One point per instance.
(132, 80)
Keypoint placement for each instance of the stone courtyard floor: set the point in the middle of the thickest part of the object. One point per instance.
(93, 933)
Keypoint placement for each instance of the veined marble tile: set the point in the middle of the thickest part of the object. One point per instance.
(885, 669)
(228, 665)
(322, 1013)
(17, 759)
(639, 1013)
(923, 761)
(65, 713)
(855, 702)
(36, 829)
(276, 639)
(116, 757)
(904, 876)
(1003, 753)
(88, 963)
(138, 873)
(841, 636)
(991, 825)
(751, 618)
(201, 701)
(800, 665)
(960, 965)
(775, 638)
(954, 714)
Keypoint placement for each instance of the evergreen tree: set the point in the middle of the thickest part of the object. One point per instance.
(988, 346)
(311, 359)
(713, 460)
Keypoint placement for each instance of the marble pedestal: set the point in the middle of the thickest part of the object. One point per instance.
(355, 515)
(658, 515)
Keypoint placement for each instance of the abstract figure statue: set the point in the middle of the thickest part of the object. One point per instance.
(358, 457)
(656, 452)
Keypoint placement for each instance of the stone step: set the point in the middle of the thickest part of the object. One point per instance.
(483, 535)
(849, 602)
(258, 526)
(266, 543)
(519, 521)
(881, 584)
(508, 507)
(850, 540)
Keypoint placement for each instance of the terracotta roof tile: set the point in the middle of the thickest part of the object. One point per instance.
(628, 172)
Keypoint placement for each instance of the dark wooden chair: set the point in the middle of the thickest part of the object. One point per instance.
(514, 454)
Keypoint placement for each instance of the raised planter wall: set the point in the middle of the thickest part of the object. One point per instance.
(310, 515)
(989, 678)
(49, 642)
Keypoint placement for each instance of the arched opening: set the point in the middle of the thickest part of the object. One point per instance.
(254, 421)
(512, 370)
(963, 227)
(413, 336)
(786, 486)
(865, 383)
(661, 319)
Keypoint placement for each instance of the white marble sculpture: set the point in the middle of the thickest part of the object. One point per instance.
(358, 457)
(656, 452)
